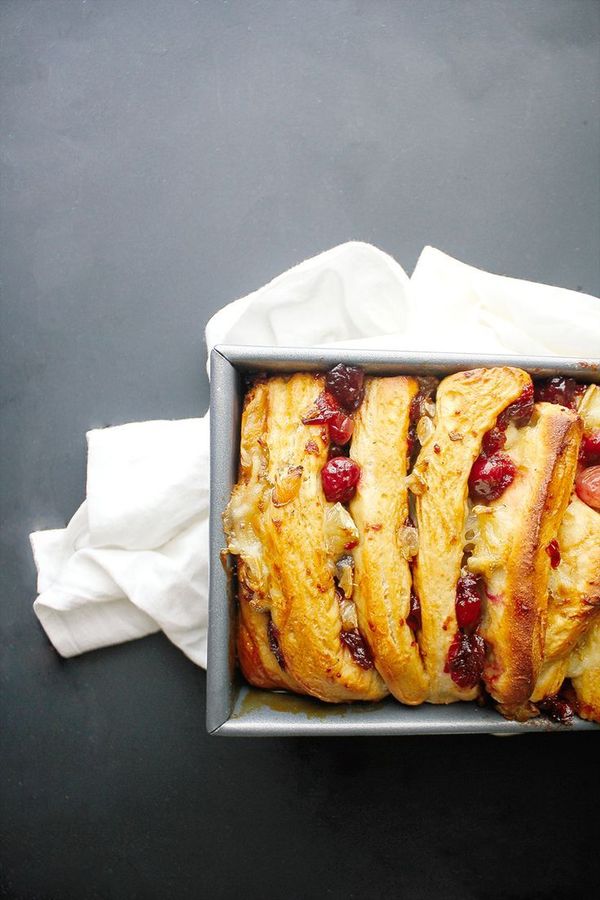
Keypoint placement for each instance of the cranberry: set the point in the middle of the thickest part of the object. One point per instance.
(340, 428)
(340, 476)
(490, 476)
(347, 384)
(327, 411)
(561, 390)
(357, 646)
(518, 412)
(273, 636)
(414, 619)
(325, 408)
(590, 448)
(466, 657)
(493, 440)
(587, 486)
(468, 602)
(557, 709)
(553, 551)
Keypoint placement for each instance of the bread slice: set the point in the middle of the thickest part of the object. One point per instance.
(380, 510)
(288, 516)
(510, 551)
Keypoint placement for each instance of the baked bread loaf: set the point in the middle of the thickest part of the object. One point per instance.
(440, 542)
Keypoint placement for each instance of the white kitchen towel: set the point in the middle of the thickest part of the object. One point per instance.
(134, 558)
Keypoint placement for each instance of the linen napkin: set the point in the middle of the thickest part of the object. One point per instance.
(134, 558)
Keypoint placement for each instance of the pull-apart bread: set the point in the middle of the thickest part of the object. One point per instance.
(435, 541)
(289, 539)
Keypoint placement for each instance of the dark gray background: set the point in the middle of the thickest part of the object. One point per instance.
(160, 159)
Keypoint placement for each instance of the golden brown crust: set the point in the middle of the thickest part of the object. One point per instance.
(257, 661)
(511, 550)
(279, 526)
(243, 523)
(467, 406)
(291, 571)
(304, 607)
(380, 508)
(550, 678)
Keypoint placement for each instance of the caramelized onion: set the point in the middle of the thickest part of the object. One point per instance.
(287, 486)
(340, 530)
(344, 572)
(425, 429)
(416, 483)
(348, 614)
(408, 541)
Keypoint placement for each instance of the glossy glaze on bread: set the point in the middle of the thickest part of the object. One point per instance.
(327, 590)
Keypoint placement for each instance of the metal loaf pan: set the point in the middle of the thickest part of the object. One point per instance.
(233, 707)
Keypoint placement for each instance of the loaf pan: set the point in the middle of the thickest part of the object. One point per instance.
(233, 707)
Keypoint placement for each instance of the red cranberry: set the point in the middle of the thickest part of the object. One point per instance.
(557, 709)
(518, 412)
(273, 636)
(358, 648)
(553, 551)
(346, 383)
(590, 448)
(468, 602)
(326, 408)
(466, 658)
(587, 486)
(340, 476)
(413, 620)
(490, 476)
(493, 440)
(327, 411)
(340, 428)
(561, 390)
